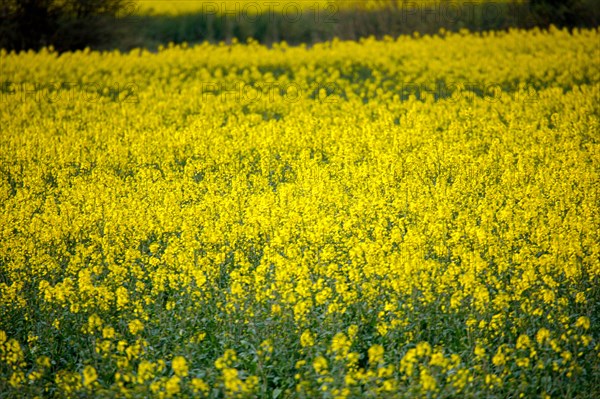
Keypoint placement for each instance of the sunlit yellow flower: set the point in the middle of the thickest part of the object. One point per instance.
(108, 332)
(542, 335)
(307, 339)
(375, 353)
(180, 366)
(427, 381)
(320, 365)
(198, 385)
(172, 386)
(135, 326)
(89, 376)
(499, 358)
(523, 342)
(583, 322)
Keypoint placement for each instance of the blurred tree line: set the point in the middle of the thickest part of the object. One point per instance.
(104, 24)
(64, 24)
(570, 13)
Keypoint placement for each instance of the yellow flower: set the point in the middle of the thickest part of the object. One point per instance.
(499, 358)
(375, 353)
(251, 384)
(94, 322)
(583, 322)
(231, 381)
(479, 351)
(320, 365)
(492, 380)
(146, 371)
(228, 359)
(89, 375)
(352, 331)
(43, 361)
(307, 339)
(122, 297)
(523, 342)
(172, 386)
(135, 326)
(423, 349)
(16, 379)
(198, 385)
(437, 359)
(340, 344)
(427, 381)
(180, 366)
(108, 332)
(542, 335)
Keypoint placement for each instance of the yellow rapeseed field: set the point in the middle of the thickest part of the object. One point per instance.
(404, 218)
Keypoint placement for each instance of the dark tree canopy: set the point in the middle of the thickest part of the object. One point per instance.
(558, 12)
(64, 24)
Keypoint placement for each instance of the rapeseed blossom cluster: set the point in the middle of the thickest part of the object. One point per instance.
(411, 217)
